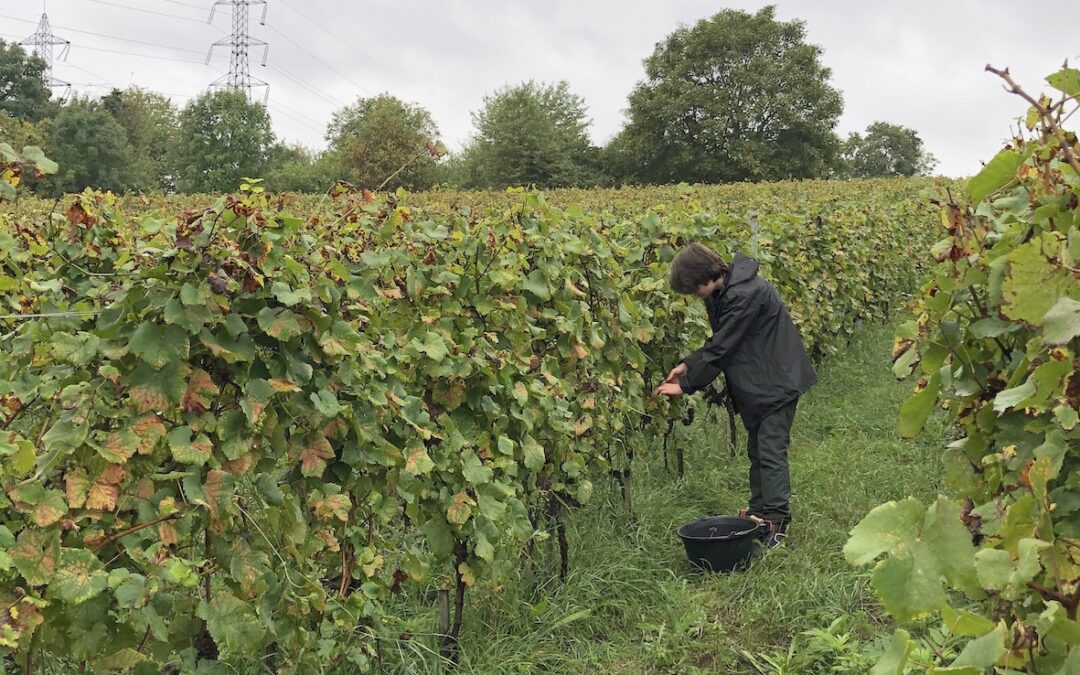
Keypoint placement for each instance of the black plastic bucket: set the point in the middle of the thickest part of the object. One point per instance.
(721, 543)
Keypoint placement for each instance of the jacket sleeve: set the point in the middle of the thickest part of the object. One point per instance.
(706, 363)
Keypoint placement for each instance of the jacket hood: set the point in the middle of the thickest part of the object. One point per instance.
(743, 268)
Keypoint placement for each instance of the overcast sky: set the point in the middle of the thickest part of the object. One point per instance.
(917, 63)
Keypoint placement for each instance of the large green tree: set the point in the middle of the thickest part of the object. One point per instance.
(886, 150)
(372, 139)
(91, 149)
(149, 120)
(736, 97)
(223, 138)
(531, 134)
(23, 94)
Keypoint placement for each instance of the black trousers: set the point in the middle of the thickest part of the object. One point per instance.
(770, 481)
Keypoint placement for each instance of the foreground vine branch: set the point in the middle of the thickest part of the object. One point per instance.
(1044, 112)
(136, 528)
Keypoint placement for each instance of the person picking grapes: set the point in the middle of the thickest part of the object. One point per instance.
(757, 347)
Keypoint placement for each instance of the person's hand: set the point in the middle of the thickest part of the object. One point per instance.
(676, 372)
(668, 389)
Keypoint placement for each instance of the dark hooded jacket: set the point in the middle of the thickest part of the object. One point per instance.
(755, 344)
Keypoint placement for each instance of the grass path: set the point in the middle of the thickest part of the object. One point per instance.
(632, 604)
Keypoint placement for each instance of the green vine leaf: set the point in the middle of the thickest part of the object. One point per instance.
(159, 345)
(79, 577)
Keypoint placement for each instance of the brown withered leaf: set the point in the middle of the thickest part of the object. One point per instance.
(241, 465)
(78, 215)
(167, 533)
(313, 456)
(200, 392)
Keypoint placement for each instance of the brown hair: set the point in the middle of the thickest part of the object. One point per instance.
(696, 265)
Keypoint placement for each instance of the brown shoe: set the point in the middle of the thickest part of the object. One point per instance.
(745, 513)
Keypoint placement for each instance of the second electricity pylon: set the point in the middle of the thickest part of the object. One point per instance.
(44, 43)
(239, 76)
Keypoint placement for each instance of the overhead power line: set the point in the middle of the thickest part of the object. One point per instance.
(310, 88)
(111, 37)
(142, 56)
(201, 8)
(94, 85)
(114, 85)
(276, 106)
(150, 11)
(351, 45)
(91, 74)
(327, 65)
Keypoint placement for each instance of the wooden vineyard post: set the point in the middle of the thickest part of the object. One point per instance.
(556, 511)
(449, 632)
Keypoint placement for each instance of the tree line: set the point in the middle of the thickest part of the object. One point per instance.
(736, 97)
